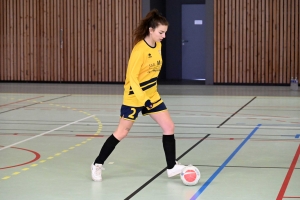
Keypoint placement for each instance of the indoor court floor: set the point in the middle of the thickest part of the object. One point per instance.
(245, 140)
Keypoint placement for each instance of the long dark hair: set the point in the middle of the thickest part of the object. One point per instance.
(152, 19)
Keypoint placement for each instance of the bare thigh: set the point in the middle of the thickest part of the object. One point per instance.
(123, 128)
(165, 122)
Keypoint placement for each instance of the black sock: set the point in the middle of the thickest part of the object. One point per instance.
(106, 149)
(170, 150)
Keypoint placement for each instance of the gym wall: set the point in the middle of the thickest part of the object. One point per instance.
(255, 41)
(66, 40)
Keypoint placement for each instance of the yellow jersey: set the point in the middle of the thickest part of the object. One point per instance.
(141, 77)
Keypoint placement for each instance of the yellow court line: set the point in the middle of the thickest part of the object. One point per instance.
(63, 151)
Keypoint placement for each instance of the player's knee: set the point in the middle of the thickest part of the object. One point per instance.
(121, 133)
(169, 128)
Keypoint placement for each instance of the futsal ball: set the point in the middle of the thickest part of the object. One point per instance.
(190, 175)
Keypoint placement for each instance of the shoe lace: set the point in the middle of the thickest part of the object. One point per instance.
(99, 168)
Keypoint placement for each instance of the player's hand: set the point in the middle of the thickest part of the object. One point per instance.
(148, 104)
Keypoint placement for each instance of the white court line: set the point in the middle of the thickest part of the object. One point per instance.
(45, 133)
(203, 125)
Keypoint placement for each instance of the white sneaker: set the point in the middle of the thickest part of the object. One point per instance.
(96, 171)
(175, 170)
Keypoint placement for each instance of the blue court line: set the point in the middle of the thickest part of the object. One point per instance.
(297, 136)
(204, 186)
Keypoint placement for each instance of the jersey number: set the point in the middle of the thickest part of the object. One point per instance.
(133, 113)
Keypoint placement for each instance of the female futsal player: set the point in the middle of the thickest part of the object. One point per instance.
(140, 93)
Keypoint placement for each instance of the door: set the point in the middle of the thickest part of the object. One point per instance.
(193, 41)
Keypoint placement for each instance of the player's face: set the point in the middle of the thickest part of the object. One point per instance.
(159, 33)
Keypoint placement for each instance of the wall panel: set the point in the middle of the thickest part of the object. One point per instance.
(258, 42)
(66, 40)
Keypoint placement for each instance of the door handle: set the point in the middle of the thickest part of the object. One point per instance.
(184, 41)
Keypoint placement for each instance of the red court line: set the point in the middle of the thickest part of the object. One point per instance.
(288, 175)
(37, 156)
(20, 101)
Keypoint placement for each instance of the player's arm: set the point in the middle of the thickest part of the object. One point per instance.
(135, 63)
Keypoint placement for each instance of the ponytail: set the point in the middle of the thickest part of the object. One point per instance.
(152, 19)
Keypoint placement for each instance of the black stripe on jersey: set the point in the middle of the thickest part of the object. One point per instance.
(145, 88)
(145, 83)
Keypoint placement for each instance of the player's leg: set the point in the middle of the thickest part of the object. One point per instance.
(161, 115)
(128, 115)
(111, 142)
(108, 147)
(164, 120)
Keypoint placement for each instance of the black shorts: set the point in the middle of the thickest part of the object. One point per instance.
(131, 113)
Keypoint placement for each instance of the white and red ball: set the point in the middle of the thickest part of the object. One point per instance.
(190, 175)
